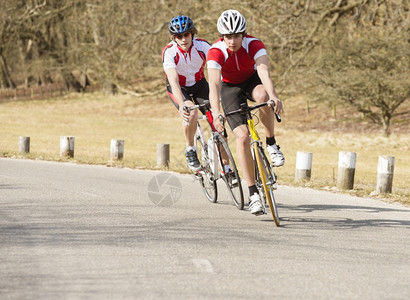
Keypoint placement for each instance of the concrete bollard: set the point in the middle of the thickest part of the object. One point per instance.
(303, 166)
(346, 170)
(163, 155)
(117, 149)
(24, 144)
(67, 146)
(385, 170)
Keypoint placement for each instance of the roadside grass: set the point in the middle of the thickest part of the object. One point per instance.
(95, 119)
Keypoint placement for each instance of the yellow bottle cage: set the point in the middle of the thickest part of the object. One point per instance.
(252, 129)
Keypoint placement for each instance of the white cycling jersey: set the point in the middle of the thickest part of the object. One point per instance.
(189, 64)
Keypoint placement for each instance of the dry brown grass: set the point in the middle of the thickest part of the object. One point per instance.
(95, 119)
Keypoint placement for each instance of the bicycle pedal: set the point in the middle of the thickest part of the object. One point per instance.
(234, 184)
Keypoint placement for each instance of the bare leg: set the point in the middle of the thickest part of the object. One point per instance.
(266, 114)
(224, 155)
(244, 154)
(190, 130)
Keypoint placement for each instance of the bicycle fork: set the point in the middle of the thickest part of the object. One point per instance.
(204, 152)
(211, 159)
(219, 165)
(260, 174)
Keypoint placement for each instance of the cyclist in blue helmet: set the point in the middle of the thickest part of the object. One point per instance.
(184, 59)
(180, 24)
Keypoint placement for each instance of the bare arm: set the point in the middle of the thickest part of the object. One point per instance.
(214, 78)
(173, 80)
(262, 67)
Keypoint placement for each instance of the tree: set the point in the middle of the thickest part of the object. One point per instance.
(368, 71)
(364, 63)
(117, 43)
(12, 18)
(119, 48)
(54, 38)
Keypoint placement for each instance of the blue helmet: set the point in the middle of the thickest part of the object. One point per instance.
(180, 24)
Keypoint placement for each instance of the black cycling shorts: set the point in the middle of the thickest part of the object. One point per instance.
(233, 95)
(197, 93)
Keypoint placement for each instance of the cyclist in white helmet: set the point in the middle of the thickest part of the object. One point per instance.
(238, 69)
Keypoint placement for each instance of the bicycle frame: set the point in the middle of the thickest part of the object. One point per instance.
(252, 130)
(215, 137)
(216, 155)
(260, 160)
(255, 143)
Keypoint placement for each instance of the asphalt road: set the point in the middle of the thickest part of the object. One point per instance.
(71, 231)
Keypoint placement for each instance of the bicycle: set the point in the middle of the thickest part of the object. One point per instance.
(214, 155)
(265, 178)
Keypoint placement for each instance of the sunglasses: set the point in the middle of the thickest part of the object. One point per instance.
(180, 36)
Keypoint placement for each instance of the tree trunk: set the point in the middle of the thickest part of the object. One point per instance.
(72, 83)
(84, 81)
(23, 51)
(6, 79)
(109, 88)
(386, 128)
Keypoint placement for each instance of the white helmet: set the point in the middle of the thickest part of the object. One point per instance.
(231, 21)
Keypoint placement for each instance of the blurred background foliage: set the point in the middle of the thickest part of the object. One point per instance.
(350, 51)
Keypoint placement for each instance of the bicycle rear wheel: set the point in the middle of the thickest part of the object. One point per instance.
(268, 181)
(205, 176)
(232, 179)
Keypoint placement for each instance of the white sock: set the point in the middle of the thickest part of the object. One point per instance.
(190, 148)
(227, 168)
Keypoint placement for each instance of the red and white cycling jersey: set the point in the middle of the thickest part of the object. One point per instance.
(237, 66)
(189, 64)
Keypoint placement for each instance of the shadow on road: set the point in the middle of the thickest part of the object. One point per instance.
(343, 220)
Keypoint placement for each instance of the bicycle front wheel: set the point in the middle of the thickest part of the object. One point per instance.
(205, 176)
(232, 179)
(268, 181)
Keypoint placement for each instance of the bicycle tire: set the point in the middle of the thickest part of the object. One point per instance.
(235, 189)
(267, 179)
(206, 178)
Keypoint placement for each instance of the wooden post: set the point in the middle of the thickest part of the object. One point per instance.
(163, 155)
(385, 170)
(67, 146)
(303, 166)
(24, 144)
(117, 149)
(347, 167)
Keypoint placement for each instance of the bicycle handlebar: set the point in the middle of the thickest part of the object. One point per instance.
(188, 109)
(208, 113)
(243, 110)
(193, 107)
(247, 109)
